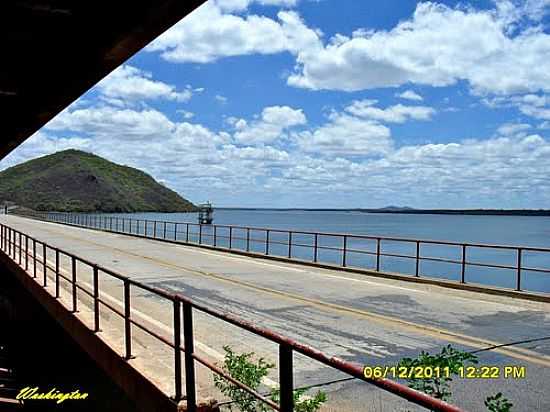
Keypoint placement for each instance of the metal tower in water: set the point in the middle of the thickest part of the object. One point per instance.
(206, 213)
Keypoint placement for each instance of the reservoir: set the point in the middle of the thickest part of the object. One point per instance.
(531, 231)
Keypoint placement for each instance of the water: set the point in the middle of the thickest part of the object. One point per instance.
(503, 230)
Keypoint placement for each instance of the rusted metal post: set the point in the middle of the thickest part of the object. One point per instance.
(127, 323)
(289, 244)
(463, 265)
(177, 349)
(44, 265)
(378, 241)
(26, 252)
(96, 298)
(56, 273)
(248, 239)
(267, 242)
(188, 342)
(344, 251)
(518, 282)
(286, 378)
(230, 237)
(417, 270)
(34, 258)
(73, 269)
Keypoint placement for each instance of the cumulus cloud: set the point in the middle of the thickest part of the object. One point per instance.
(226, 35)
(272, 122)
(346, 135)
(393, 114)
(509, 129)
(410, 95)
(438, 46)
(130, 84)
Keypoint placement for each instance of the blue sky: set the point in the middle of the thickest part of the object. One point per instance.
(304, 103)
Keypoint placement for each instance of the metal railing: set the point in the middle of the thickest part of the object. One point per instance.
(22, 249)
(343, 246)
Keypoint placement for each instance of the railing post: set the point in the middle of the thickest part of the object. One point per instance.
(111, 223)
(175, 231)
(26, 252)
(289, 244)
(286, 378)
(96, 299)
(177, 349)
(344, 251)
(127, 324)
(316, 248)
(417, 271)
(215, 237)
(44, 265)
(73, 269)
(188, 342)
(34, 258)
(463, 265)
(267, 242)
(378, 241)
(200, 233)
(187, 233)
(164, 231)
(20, 247)
(518, 282)
(230, 237)
(155, 229)
(56, 273)
(248, 239)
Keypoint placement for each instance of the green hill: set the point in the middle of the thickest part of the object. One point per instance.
(77, 181)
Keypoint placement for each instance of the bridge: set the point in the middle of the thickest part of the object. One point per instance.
(124, 283)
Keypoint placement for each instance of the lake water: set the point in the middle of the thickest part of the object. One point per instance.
(503, 230)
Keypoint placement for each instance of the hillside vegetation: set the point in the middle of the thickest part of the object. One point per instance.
(76, 181)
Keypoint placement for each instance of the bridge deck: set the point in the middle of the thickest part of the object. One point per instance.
(365, 320)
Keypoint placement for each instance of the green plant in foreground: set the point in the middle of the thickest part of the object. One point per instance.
(241, 367)
(498, 403)
(449, 359)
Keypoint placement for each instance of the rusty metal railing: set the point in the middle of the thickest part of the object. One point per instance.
(231, 237)
(22, 249)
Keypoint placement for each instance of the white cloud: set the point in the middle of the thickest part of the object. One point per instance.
(186, 114)
(509, 129)
(438, 46)
(269, 127)
(410, 95)
(393, 114)
(226, 35)
(221, 99)
(128, 83)
(346, 135)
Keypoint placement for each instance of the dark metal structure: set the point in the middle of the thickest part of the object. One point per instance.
(17, 245)
(206, 214)
(55, 50)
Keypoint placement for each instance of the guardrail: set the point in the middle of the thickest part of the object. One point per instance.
(245, 238)
(22, 249)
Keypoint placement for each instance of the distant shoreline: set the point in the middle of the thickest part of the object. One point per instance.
(472, 212)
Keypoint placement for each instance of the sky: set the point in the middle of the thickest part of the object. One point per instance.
(331, 103)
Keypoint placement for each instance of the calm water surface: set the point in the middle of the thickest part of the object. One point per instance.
(502, 230)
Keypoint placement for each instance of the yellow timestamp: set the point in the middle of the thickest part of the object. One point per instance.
(437, 372)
